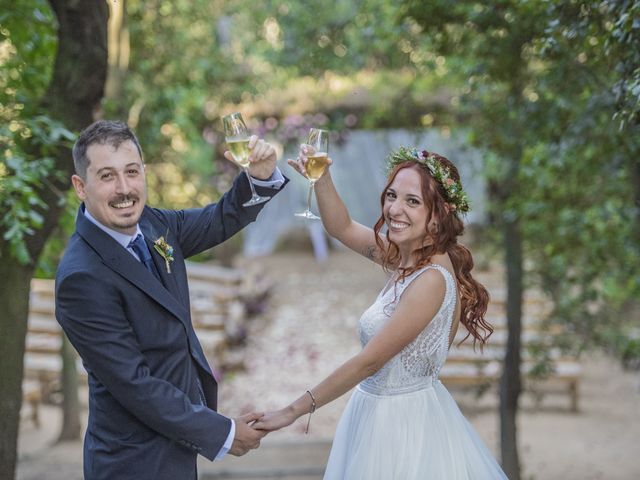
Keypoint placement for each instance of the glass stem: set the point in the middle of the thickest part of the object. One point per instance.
(253, 190)
(309, 196)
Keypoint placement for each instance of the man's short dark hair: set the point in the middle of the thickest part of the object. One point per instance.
(102, 132)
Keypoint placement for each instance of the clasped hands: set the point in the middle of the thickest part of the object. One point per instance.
(252, 427)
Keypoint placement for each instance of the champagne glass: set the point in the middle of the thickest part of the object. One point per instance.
(237, 137)
(316, 164)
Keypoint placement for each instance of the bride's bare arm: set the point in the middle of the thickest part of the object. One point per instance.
(417, 307)
(335, 216)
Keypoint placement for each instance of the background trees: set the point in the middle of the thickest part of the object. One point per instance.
(549, 91)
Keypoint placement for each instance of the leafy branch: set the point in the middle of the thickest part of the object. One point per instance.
(24, 173)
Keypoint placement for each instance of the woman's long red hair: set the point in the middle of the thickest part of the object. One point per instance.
(444, 233)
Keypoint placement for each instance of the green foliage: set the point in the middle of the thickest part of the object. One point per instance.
(630, 352)
(193, 60)
(545, 81)
(357, 58)
(28, 140)
(22, 173)
(19, 202)
(340, 36)
(27, 48)
(601, 33)
(583, 173)
(237, 52)
(57, 242)
(174, 67)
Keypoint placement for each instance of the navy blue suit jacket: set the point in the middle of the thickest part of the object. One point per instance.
(147, 372)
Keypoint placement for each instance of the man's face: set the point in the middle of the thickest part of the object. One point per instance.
(115, 189)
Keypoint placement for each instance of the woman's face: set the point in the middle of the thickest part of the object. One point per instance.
(405, 212)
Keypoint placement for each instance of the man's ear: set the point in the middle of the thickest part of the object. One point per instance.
(78, 185)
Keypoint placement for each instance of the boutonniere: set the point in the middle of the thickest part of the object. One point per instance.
(165, 250)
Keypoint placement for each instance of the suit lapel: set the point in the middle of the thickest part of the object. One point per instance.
(169, 280)
(123, 263)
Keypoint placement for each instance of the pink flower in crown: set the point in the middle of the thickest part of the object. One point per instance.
(449, 181)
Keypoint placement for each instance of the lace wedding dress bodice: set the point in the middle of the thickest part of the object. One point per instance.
(419, 363)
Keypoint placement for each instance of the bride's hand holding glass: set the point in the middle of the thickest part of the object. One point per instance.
(312, 162)
(299, 164)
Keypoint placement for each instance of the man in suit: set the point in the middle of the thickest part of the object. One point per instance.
(122, 299)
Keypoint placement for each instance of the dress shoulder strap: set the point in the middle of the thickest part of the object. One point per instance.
(448, 277)
(392, 294)
(399, 287)
(407, 281)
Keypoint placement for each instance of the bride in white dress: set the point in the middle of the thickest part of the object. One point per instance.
(401, 423)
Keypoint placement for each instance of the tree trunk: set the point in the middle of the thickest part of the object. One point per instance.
(119, 50)
(81, 64)
(510, 385)
(71, 403)
(14, 304)
(74, 93)
(634, 168)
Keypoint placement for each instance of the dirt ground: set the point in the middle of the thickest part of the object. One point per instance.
(309, 329)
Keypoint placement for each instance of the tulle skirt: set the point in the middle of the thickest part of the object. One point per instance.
(416, 435)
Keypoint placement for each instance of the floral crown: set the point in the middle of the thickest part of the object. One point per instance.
(455, 196)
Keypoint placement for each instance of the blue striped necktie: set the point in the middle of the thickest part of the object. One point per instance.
(141, 249)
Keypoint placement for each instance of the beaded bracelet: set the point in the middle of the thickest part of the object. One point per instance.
(313, 409)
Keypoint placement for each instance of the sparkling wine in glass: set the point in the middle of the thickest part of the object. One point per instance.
(237, 138)
(317, 162)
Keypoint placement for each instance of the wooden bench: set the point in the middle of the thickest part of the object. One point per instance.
(566, 374)
(466, 367)
(224, 298)
(42, 360)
